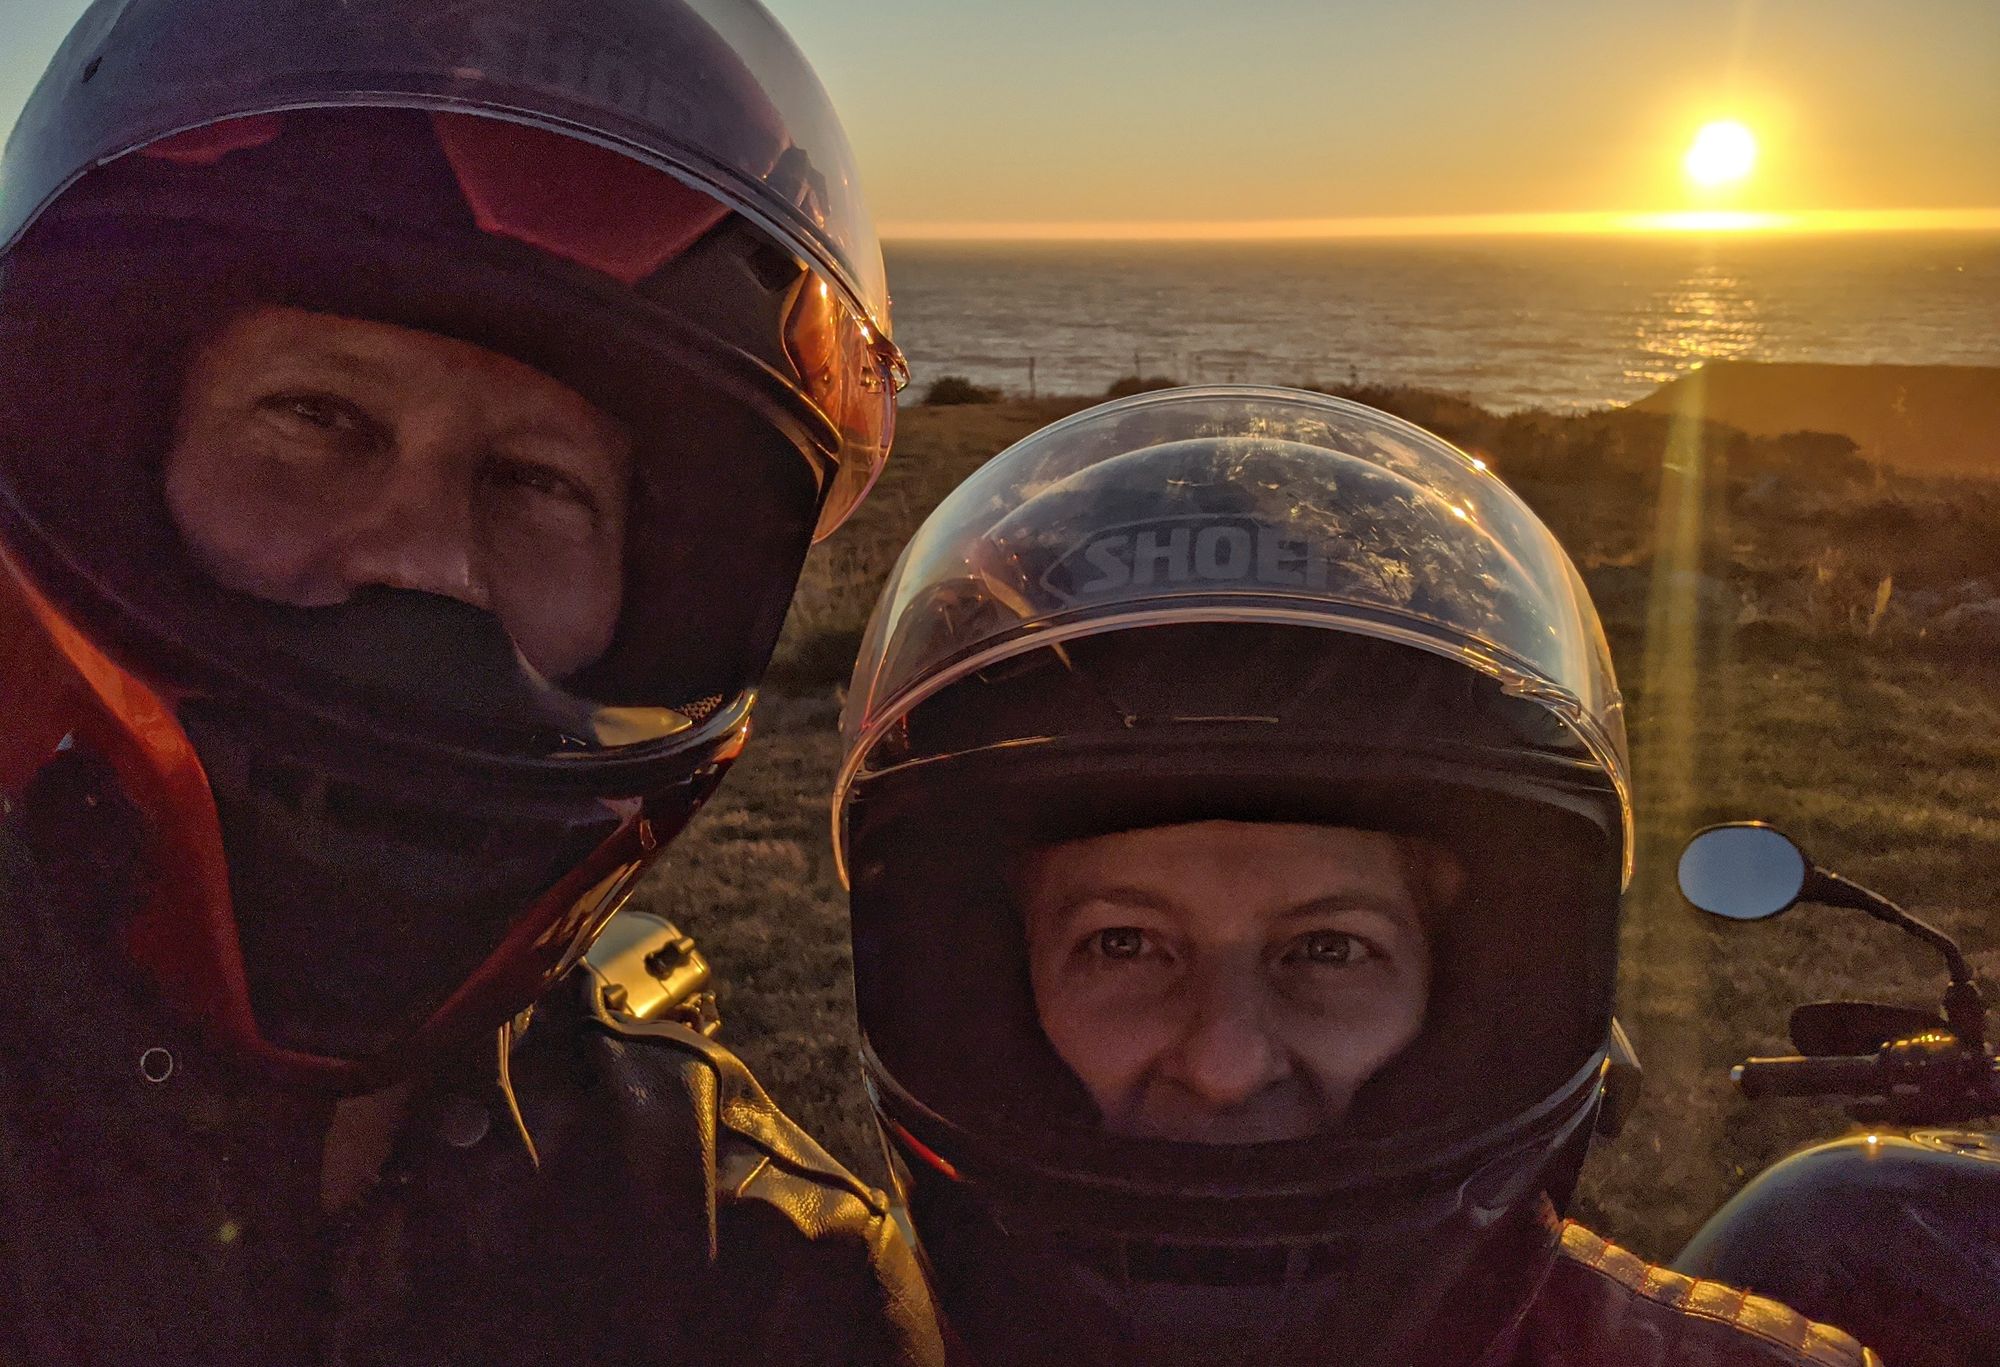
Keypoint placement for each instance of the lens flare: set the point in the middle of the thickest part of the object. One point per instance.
(1722, 154)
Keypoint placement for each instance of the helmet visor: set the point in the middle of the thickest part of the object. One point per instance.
(690, 407)
(1233, 505)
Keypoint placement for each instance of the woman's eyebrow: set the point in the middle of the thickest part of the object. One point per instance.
(1360, 899)
(1069, 906)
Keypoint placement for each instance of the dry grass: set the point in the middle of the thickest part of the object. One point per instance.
(1810, 702)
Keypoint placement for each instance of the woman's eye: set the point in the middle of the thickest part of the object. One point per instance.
(1330, 947)
(1120, 942)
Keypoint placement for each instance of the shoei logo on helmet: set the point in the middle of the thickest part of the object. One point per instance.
(1179, 551)
(642, 71)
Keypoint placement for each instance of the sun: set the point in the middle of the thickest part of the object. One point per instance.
(1722, 154)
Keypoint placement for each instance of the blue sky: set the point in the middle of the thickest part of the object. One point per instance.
(1157, 111)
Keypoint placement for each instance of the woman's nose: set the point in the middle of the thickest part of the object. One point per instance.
(416, 529)
(1229, 1052)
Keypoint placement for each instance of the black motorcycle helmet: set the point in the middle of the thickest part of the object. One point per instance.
(1252, 605)
(379, 831)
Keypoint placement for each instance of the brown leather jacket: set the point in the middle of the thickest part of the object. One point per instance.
(1604, 1307)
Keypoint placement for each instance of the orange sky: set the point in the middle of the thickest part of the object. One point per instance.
(1266, 118)
(1298, 118)
(1455, 225)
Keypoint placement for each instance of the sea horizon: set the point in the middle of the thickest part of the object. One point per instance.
(1562, 323)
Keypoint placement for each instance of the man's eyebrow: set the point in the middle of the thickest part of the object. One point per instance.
(618, 454)
(323, 356)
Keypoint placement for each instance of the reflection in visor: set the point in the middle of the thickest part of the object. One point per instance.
(851, 376)
(573, 199)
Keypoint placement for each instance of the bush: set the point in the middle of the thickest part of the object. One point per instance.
(1127, 385)
(1824, 455)
(1452, 417)
(956, 389)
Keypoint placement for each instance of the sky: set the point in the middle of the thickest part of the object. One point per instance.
(1314, 117)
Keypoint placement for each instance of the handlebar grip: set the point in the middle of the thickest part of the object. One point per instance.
(1828, 1075)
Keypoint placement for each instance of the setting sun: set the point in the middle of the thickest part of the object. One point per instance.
(1722, 154)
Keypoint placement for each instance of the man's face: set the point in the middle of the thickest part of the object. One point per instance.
(1228, 982)
(316, 456)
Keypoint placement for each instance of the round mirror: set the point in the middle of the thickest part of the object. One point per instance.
(1745, 871)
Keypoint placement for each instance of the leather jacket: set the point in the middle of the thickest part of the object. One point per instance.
(1604, 1307)
(1579, 1302)
(670, 1214)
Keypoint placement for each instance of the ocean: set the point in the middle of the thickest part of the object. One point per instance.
(1555, 323)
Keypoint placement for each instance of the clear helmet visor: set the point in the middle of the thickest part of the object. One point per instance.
(1234, 505)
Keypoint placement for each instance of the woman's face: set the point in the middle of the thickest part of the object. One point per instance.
(1230, 982)
(318, 455)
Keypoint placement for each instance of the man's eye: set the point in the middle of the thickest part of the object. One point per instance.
(1330, 947)
(322, 411)
(545, 481)
(1120, 942)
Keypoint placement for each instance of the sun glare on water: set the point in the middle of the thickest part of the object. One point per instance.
(1722, 154)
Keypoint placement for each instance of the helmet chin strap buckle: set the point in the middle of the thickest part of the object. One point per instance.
(508, 1034)
(1619, 1084)
(642, 969)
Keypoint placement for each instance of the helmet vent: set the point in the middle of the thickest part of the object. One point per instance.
(701, 709)
(1140, 1261)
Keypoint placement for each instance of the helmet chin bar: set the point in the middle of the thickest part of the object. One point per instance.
(65, 692)
(1177, 1282)
(1289, 1194)
(544, 942)
(548, 938)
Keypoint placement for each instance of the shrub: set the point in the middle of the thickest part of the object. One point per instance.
(956, 389)
(1125, 386)
(1451, 416)
(1824, 455)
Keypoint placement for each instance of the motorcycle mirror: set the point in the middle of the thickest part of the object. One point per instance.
(1744, 870)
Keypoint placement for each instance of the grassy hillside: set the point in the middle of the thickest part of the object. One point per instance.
(1802, 636)
(1940, 419)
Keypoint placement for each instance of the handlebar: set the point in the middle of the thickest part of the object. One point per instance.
(1827, 1075)
(1928, 1078)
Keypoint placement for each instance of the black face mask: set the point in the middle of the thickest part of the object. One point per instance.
(364, 898)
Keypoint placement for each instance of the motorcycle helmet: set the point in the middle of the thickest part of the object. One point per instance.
(1235, 604)
(375, 830)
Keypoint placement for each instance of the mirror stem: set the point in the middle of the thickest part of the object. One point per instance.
(1830, 889)
(1964, 1007)
(1965, 1011)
